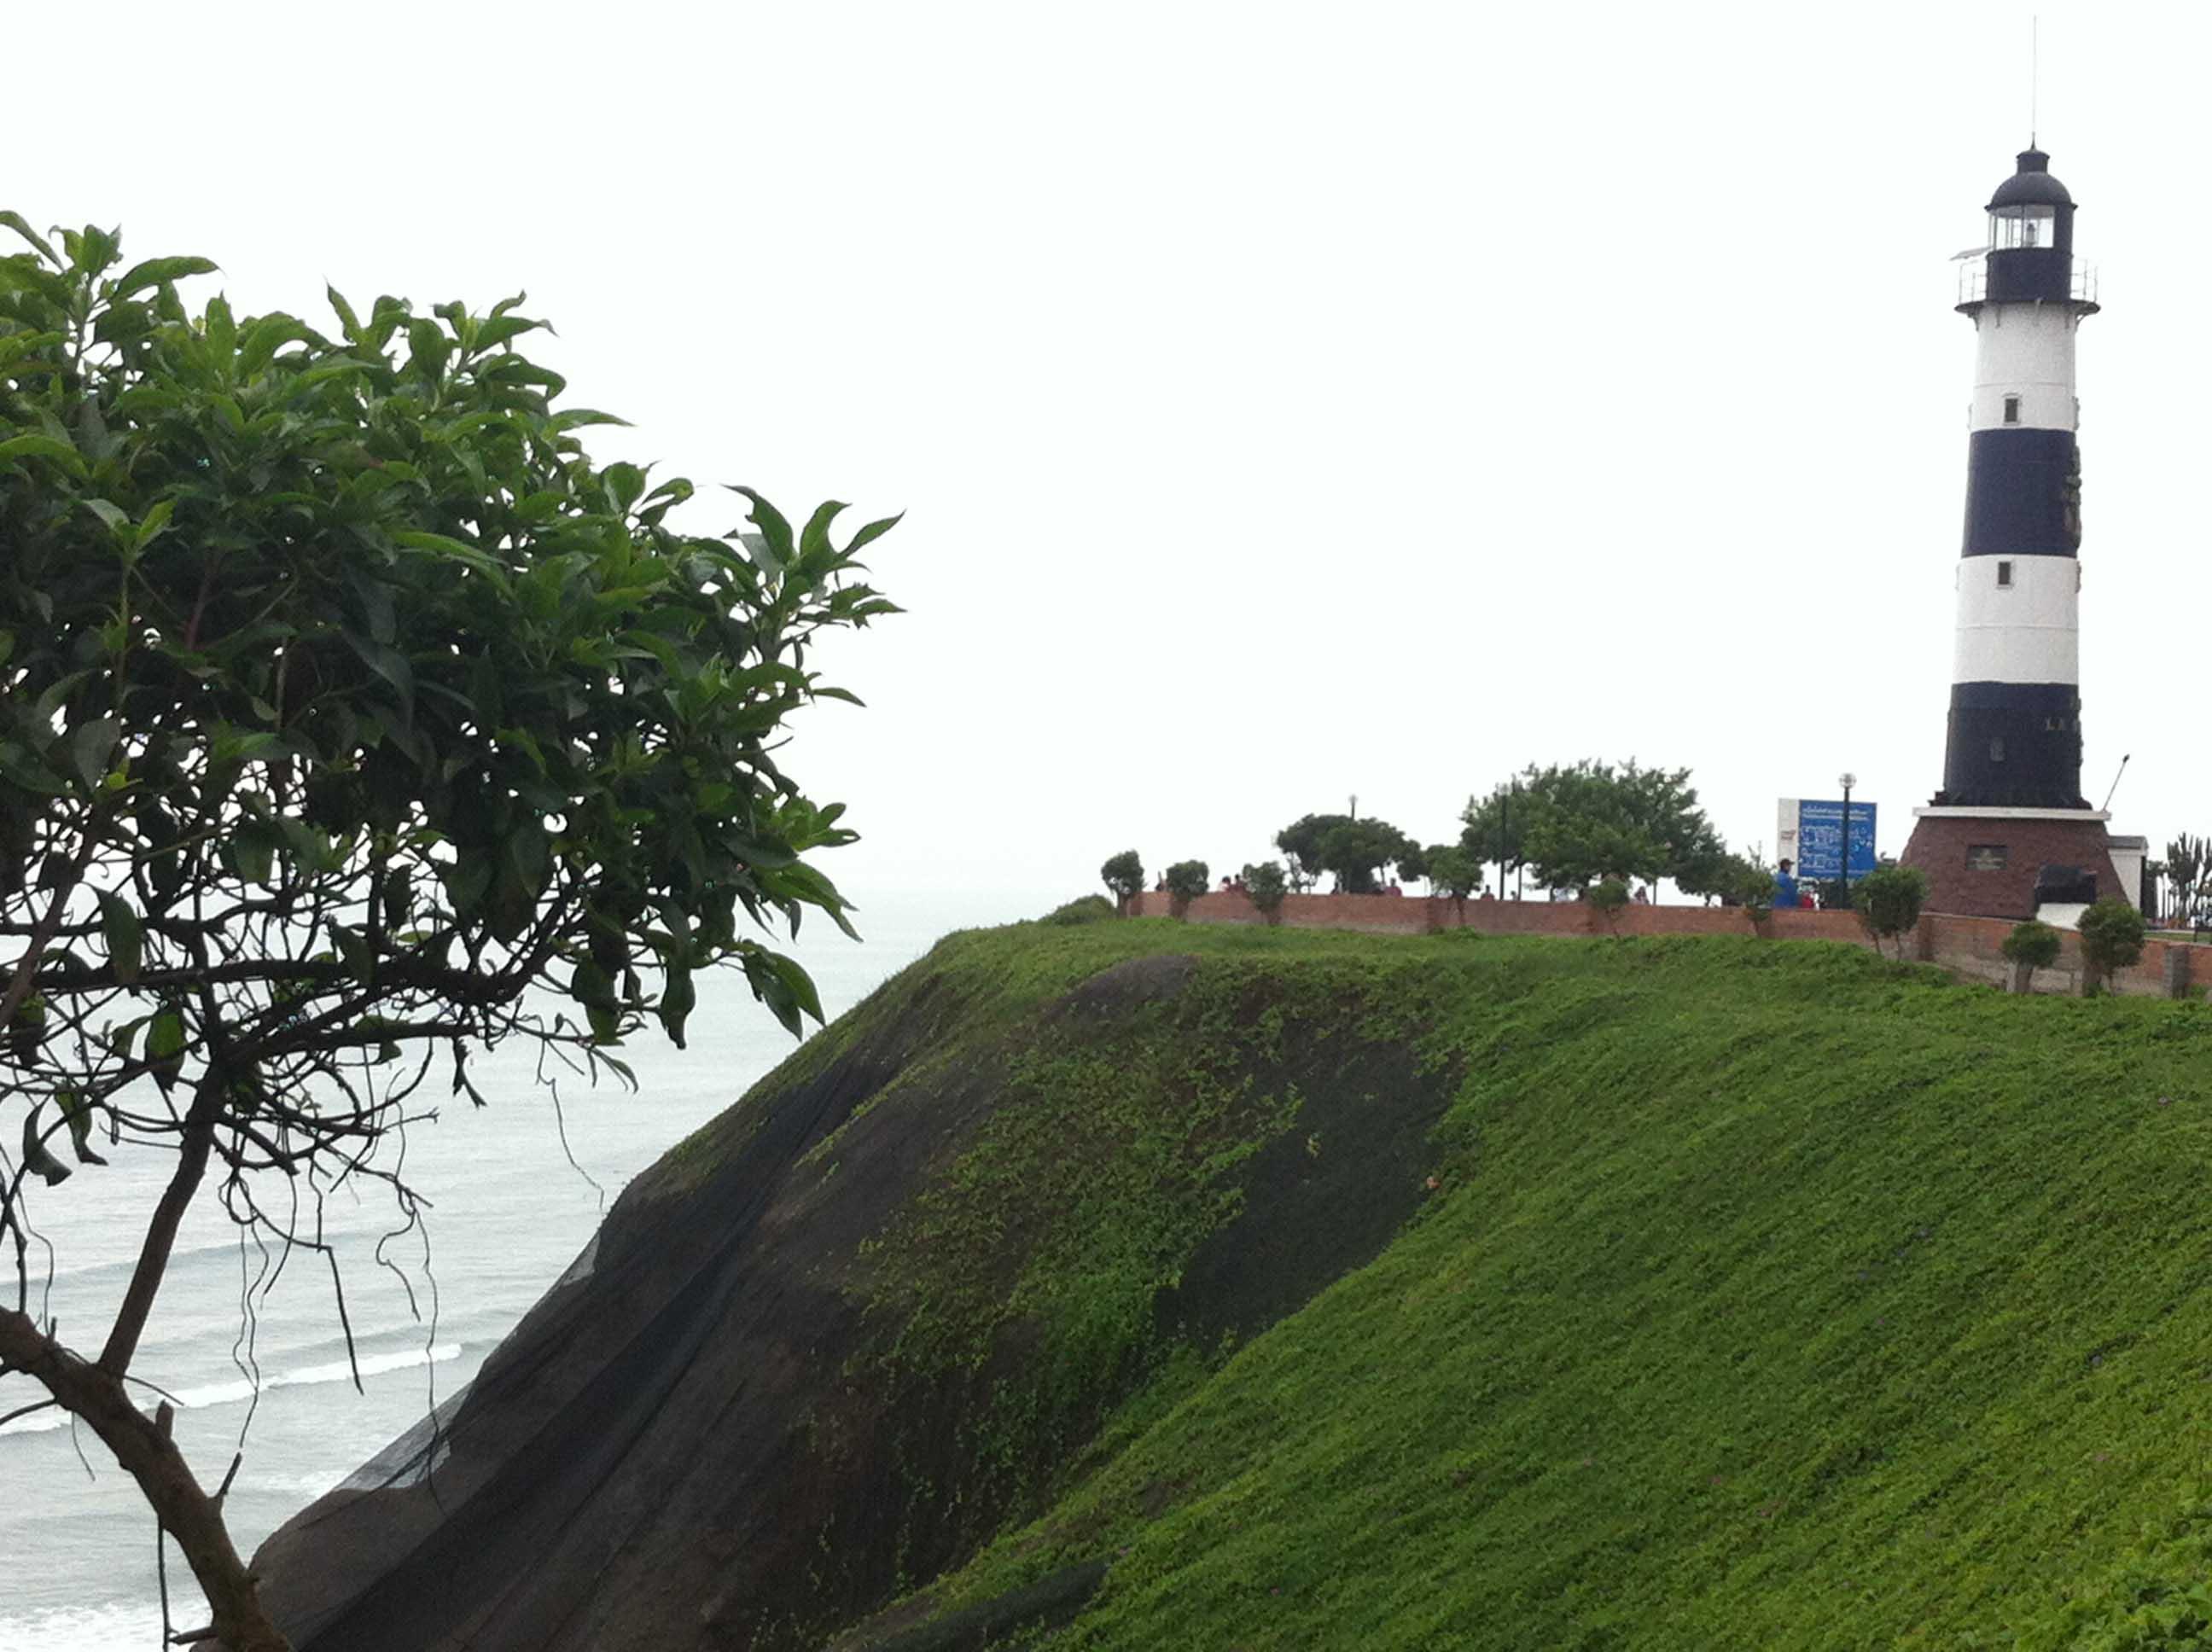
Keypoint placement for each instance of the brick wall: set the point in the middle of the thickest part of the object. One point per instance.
(1966, 946)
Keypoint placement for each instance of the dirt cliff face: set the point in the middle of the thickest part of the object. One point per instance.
(831, 1344)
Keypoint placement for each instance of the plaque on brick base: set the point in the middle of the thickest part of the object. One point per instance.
(1986, 863)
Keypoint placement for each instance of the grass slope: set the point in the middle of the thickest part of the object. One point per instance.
(1772, 1296)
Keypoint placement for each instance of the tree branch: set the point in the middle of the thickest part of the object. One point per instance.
(146, 1453)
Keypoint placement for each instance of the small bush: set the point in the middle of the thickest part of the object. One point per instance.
(1084, 909)
(1186, 880)
(1454, 870)
(1609, 896)
(1889, 899)
(1266, 885)
(2030, 947)
(2111, 939)
(1124, 874)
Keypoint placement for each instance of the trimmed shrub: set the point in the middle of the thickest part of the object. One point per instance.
(1124, 874)
(1266, 885)
(1889, 899)
(1609, 896)
(2030, 947)
(2111, 934)
(1186, 880)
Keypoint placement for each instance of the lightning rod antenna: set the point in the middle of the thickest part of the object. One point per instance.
(2034, 74)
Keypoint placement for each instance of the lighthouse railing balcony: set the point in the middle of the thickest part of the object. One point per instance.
(1974, 281)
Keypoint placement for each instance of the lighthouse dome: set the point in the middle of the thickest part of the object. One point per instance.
(2032, 186)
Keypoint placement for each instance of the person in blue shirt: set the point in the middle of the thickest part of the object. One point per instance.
(1785, 886)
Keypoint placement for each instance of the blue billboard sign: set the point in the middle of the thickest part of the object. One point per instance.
(1821, 839)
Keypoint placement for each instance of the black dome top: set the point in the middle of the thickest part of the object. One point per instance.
(2032, 186)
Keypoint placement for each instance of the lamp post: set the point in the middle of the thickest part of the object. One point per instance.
(1846, 779)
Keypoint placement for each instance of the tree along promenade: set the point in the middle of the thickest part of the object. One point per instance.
(1968, 947)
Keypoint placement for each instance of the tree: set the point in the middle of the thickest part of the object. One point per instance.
(1266, 885)
(349, 715)
(1753, 888)
(1711, 872)
(2030, 947)
(1301, 840)
(1490, 831)
(1123, 874)
(1582, 821)
(1889, 899)
(1357, 852)
(1455, 871)
(1186, 882)
(2112, 933)
(2188, 860)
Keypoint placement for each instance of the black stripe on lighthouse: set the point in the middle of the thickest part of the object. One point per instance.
(2023, 493)
(2014, 745)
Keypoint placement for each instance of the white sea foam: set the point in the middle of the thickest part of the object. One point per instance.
(108, 1628)
(232, 1394)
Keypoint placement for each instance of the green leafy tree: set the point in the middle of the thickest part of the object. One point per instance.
(1752, 888)
(1454, 870)
(2187, 860)
(1582, 821)
(1710, 873)
(1186, 882)
(350, 717)
(1301, 842)
(1124, 874)
(1889, 899)
(2030, 947)
(1490, 831)
(1358, 853)
(2112, 933)
(1266, 886)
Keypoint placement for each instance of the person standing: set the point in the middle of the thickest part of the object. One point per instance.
(1785, 885)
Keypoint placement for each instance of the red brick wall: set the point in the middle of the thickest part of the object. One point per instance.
(1966, 946)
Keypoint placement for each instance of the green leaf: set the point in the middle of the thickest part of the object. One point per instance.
(774, 531)
(155, 524)
(387, 663)
(33, 446)
(678, 999)
(154, 271)
(125, 936)
(36, 1159)
(873, 532)
(108, 511)
(575, 417)
(91, 745)
(814, 537)
(76, 1113)
(15, 220)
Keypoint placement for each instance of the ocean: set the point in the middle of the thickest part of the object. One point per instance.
(510, 1211)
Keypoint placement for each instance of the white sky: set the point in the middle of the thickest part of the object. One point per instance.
(1287, 401)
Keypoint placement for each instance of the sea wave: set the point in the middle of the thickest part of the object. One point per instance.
(234, 1392)
(84, 1629)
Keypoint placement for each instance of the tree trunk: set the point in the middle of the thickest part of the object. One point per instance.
(143, 1446)
(2023, 977)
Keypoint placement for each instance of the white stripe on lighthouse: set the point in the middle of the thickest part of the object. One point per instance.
(2025, 632)
(2027, 351)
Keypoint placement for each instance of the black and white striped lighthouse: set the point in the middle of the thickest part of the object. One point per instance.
(2015, 732)
(2010, 829)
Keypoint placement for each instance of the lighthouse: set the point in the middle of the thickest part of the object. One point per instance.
(2010, 830)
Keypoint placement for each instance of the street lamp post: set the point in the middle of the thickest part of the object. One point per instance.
(1846, 779)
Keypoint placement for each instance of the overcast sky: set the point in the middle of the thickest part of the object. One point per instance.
(1287, 402)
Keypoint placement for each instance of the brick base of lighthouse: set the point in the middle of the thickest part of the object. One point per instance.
(1985, 865)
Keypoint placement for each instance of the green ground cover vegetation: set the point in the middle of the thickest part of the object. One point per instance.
(1766, 1294)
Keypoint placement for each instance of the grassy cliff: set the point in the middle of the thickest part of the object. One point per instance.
(1769, 1295)
(1145, 1285)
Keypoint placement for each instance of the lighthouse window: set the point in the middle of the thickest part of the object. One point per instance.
(2004, 573)
(2018, 227)
(2012, 409)
(1997, 749)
